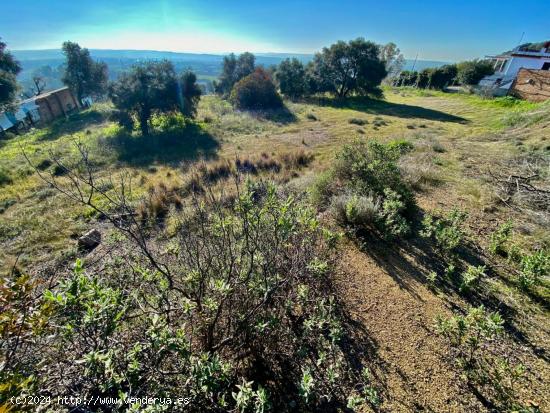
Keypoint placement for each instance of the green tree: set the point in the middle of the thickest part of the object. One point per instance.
(9, 69)
(291, 76)
(190, 94)
(256, 91)
(154, 87)
(352, 67)
(82, 74)
(233, 70)
(245, 65)
(472, 71)
(392, 58)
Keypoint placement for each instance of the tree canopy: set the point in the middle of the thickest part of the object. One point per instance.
(291, 76)
(82, 74)
(9, 69)
(350, 67)
(154, 87)
(233, 70)
(392, 58)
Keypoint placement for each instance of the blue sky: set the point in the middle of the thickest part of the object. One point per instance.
(436, 30)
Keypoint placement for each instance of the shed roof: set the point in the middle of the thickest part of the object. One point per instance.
(45, 94)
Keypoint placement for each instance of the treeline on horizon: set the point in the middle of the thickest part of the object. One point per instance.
(295, 78)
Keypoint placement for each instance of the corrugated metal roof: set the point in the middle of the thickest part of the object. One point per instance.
(5, 123)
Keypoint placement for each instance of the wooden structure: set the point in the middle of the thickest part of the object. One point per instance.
(54, 104)
(533, 85)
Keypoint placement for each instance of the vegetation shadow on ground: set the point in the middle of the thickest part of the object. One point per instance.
(281, 116)
(383, 107)
(414, 258)
(75, 122)
(167, 147)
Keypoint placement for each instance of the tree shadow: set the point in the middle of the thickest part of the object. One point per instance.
(281, 116)
(168, 147)
(409, 261)
(73, 123)
(382, 107)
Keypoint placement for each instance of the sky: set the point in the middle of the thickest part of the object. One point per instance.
(435, 30)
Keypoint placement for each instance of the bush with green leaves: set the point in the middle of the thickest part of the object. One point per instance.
(154, 87)
(291, 77)
(470, 72)
(471, 277)
(236, 313)
(500, 238)
(533, 268)
(477, 339)
(256, 92)
(446, 231)
(469, 333)
(376, 196)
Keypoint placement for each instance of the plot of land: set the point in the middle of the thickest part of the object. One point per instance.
(460, 143)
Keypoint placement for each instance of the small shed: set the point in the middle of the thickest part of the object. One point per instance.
(54, 104)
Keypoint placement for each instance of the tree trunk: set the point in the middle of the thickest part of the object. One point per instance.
(144, 122)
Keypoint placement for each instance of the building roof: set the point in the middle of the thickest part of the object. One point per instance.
(45, 94)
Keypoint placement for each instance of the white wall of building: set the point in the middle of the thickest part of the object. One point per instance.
(516, 63)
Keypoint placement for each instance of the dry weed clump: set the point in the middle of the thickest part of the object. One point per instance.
(419, 170)
(156, 205)
(204, 174)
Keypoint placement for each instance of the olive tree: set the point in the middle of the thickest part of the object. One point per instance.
(291, 76)
(350, 67)
(234, 69)
(9, 69)
(154, 87)
(82, 74)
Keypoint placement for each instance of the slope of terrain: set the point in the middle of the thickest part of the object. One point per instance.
(461, 143)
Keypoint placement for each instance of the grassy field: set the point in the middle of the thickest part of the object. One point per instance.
(460, 142)
(37, 222)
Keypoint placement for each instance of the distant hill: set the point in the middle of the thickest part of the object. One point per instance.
(206, 66)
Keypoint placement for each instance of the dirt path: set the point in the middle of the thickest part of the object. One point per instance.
(398, 312)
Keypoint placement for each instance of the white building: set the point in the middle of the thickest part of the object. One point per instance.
(508, 65)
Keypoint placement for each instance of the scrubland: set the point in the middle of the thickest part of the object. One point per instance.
(381, 255)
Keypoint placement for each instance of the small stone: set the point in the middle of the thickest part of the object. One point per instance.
(89, 240)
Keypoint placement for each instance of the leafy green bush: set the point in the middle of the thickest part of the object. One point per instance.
(291, 77)
(499, 238)
(394, 209)
(243, 288)
(471, 277)
(477, 342)
(368, 171)
(468, 333)
(168, 122)
(445, 231)
(533, 268)
(256, 91)
(472, 71)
